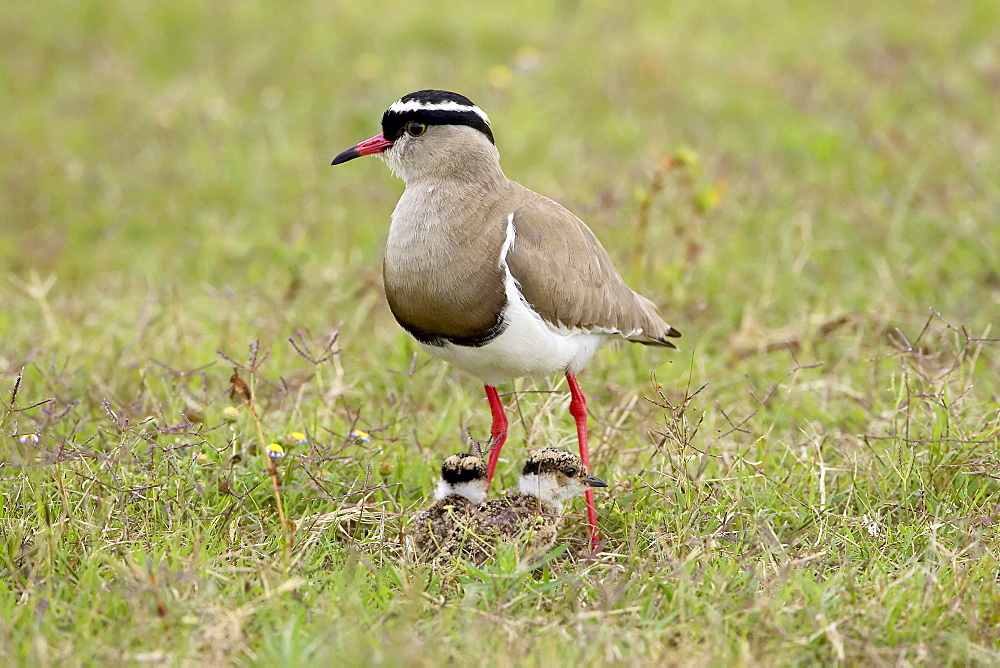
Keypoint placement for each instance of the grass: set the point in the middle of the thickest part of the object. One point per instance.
(808, 191)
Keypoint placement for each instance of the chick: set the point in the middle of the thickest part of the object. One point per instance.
(462, 487)
(550, 477)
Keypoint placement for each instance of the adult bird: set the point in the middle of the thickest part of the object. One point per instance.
(491, 277)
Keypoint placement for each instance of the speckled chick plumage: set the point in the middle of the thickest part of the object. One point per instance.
(533, 516)
(461, 489)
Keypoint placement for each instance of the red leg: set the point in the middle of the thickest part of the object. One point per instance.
(498, 432)
(578, 409)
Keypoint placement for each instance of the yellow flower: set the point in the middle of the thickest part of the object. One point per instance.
(230, 413)
(202, 458)
(275, 451)
(499, 76)
(296, 437)
(28, 439)
(362, 436)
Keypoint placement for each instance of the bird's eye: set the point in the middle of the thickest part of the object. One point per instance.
(571, 473)
(415, 129)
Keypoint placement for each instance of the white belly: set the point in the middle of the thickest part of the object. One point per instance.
(528, 347)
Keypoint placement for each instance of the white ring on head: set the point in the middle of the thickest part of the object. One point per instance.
(400, 107)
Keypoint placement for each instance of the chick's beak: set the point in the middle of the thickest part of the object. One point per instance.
(593, 481)
(376, 144)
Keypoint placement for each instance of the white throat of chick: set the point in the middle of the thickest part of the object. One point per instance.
(547, 488)
(473, 490)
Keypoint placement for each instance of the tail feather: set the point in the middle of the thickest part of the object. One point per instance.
(655, 331)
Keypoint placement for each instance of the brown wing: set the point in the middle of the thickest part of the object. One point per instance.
(568, 277)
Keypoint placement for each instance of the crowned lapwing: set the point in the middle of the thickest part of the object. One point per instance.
(495, 279)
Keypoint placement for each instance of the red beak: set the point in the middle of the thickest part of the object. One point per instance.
(376, 144)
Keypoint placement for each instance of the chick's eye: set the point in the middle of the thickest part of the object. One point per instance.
(415, 129)
(571, 473)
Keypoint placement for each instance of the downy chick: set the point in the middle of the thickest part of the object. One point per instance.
(462, 487)
(550, 478)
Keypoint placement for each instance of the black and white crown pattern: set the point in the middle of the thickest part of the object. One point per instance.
(434, 107)
(463, 468)
(551, 460)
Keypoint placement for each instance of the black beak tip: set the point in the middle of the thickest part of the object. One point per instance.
(594, 481)
(349, 154)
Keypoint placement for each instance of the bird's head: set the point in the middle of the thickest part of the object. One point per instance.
(432, 134)
(464, 475)
(556, 476)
